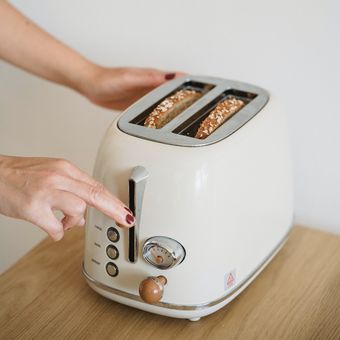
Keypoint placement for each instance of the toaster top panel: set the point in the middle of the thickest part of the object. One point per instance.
(193, 111)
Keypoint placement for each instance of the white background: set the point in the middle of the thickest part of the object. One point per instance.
(291, 48)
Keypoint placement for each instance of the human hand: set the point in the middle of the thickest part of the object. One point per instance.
(32, 188)
(118, 88)
(46, 57)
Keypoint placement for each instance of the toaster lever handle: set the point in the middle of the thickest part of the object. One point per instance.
(137, 182)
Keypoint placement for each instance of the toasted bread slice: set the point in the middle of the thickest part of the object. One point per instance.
(171, 107)
(218, 116)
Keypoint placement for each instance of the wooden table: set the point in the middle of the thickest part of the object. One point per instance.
(44, 296)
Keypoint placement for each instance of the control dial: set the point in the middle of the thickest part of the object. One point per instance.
(163, 252)
(151, 289)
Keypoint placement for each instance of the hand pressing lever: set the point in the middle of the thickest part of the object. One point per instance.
(35, 187)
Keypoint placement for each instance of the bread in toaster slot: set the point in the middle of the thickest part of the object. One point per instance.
(171, 107)
(221, 113)
(213, 115)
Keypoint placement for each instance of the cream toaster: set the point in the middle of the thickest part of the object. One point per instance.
(210, 212)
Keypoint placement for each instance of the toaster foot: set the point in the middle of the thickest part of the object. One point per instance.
(194, 319)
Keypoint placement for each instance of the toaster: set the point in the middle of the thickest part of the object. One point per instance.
(210, 213)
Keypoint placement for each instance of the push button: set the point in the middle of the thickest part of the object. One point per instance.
(112, 252)
(112, 269)
(112, 234)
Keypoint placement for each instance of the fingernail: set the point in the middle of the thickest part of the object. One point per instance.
(170, 76)
(128, 210)
(129, 219)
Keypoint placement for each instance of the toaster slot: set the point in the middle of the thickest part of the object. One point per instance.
(200, 88)
(192, 125)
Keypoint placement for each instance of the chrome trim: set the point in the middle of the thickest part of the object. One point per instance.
(172, 246)
(190, 307)
(166, 135)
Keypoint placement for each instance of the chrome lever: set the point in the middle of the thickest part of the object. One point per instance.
(137, 182)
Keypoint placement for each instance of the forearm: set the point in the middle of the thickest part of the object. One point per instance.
(25, 45)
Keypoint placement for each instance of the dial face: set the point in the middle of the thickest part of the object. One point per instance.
(159, 256)
(163, 252)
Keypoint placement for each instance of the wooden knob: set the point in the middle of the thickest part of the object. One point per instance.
(151, 289)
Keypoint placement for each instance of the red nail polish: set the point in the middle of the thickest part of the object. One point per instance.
(170, 76)
(129, 219)
(128, 210)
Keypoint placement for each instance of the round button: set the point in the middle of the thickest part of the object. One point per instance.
(112, 252)
(112, 234)
(112, 269)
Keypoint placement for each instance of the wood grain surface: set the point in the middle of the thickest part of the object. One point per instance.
(44, 296)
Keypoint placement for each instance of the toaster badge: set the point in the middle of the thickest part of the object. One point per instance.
(230, 279)
(163, 252)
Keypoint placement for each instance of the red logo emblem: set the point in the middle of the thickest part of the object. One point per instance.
(230, 280)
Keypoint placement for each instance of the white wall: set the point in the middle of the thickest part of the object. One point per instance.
(289, 47)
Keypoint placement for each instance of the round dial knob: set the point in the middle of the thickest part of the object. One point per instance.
(151, 289)
(163, 252)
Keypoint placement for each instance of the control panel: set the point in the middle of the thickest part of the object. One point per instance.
(112, 251)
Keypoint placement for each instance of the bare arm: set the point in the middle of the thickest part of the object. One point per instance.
(27, 46)
(32, 188)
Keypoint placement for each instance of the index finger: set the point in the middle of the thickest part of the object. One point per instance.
(97, 196)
